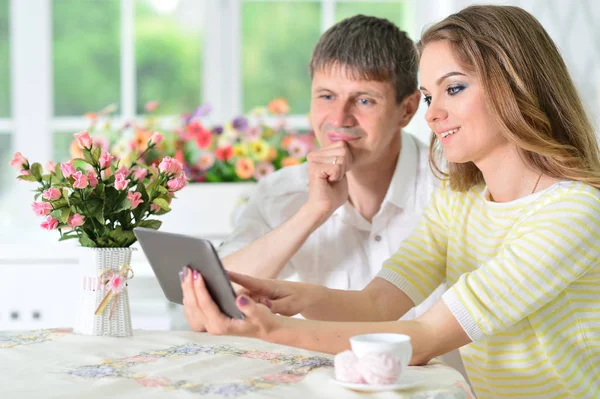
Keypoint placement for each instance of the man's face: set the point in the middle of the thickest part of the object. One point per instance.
(362, 113)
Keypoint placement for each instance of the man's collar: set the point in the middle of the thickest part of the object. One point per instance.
(403, 182)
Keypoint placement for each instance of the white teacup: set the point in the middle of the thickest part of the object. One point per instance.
(393, 344)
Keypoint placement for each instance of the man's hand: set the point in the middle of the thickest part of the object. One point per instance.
(327, 182)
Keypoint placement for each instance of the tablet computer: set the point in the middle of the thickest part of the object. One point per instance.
(168, 253)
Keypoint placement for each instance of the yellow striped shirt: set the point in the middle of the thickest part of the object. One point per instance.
(525, 286)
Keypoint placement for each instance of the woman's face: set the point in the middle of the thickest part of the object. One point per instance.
(457, 111)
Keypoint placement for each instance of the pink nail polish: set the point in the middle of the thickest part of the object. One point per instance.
(243, 300)
(195, 274)
(268, 303)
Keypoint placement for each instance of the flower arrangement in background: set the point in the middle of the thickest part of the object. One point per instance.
(98, 199)
(244, 149)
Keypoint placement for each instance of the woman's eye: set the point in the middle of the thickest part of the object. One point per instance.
(364, 101)
(455, 90)
(326, 96)
(427, 100)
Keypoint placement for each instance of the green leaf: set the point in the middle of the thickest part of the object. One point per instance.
(87, 155)
(86, 241)
(67, 237)
(121, 238)
(27, 177)
(65, 194)
(36, 170)
(164, 205)
(150, 224)
(142, 190)
(100, 190)
(122, 206)
(79, 162)
(96, 152)
(162, 189)
(59, 203)
(64, 216)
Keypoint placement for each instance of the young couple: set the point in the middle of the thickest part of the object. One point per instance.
(511, 230)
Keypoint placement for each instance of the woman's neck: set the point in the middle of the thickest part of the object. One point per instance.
(508, 177)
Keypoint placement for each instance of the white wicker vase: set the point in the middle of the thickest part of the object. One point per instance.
(93, 262)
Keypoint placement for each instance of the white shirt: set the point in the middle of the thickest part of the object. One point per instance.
(347, 251)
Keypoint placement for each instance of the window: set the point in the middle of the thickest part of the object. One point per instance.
(168, 55)
(85, 51)
(277, 42)
(278, 38)
(4, 61)
(393, 11)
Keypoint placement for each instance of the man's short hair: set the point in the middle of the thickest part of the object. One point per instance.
(371, 49)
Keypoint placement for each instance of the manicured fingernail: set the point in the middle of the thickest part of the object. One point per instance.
(195, 274)
(184, 271)
(181, 276)
(268, 303)
(243, 300)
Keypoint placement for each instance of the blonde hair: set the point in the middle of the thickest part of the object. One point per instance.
(527, 88)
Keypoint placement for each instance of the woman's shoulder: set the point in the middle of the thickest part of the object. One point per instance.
(574, 191)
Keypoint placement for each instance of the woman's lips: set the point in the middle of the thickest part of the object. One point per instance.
(341, 137)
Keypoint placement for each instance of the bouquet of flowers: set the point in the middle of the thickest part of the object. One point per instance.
(98, 199)
(244, 149)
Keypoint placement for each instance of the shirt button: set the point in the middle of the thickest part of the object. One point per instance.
(378, 238)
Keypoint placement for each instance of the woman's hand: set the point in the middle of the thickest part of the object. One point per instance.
(203, 314)
(282, 297)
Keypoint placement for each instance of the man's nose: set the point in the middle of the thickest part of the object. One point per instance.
(342, 115)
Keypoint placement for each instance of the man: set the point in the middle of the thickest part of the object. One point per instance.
(336, 219)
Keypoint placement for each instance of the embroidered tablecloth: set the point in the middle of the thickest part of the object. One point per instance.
(179, 364)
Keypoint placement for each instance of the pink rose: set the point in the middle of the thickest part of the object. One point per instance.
(140, 174)
(75, 220)
(155, 208)
(92, 178)
(120, 182)
(51, 166)
(24, 172)
(52, 194)
(177, 183)
(83, 139)
(156, 138)
(67, 168)
(170, 165)
(18, 161)
(100, 142)
(41, 208)
(123, 170)
(50, 223)
(105, 159)
(80, 180)
(135, 199)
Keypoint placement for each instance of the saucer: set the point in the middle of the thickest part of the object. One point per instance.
(376, 388)
(407, 381)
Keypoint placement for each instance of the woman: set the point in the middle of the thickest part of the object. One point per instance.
(514, 229)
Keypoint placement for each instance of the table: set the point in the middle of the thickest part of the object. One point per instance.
(55, 363)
